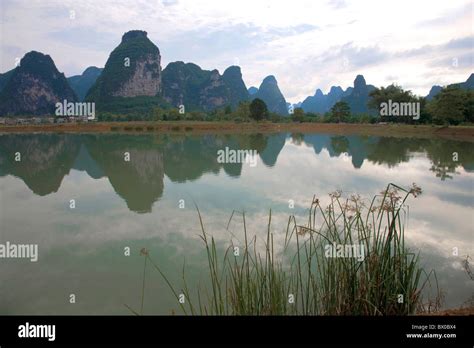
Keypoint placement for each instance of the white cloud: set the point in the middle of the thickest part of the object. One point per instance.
(302, 42)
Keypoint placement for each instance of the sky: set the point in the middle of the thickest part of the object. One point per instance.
(305, 44)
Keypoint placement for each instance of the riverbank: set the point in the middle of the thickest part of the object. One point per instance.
(465, 133)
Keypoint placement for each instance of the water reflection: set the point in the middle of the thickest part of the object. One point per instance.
(135, 204)
(44, 159)
(47, 158)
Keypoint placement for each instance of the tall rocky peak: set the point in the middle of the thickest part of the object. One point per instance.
(133, 69)
(233, 72)
(334, 95)
(336, 90)
(34, 87)
(269, 81)
(270, 93)
(133, 35)
(235, 84)
(359, 83)
(36, 61)
(197, 89)
(359, 96)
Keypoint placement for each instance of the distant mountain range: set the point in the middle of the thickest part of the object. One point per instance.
(468, 84)
(357, 98)
(133, 76)
(197, 89)
(82, 83)
(321, 103)
(433, 91)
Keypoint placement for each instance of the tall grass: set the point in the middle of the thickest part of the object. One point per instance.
(303, 280)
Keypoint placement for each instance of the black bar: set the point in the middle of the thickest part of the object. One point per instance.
(134, 330)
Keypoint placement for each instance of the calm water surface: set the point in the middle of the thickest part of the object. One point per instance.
(136, 204)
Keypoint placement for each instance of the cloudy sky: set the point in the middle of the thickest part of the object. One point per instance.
(306, 44)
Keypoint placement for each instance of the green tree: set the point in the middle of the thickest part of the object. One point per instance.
(365, 118)
(196, 116)
(452, 105)
(394, 93)
(425, 116)
(243, 111)
(258, 109)
(228, 110)
(469, 113)
(340, 112)
(298, 115)
(275, 118)
(157, 113)
(174, 115)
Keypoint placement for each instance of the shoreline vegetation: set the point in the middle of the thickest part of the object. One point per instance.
(464, 133)
(302, 279)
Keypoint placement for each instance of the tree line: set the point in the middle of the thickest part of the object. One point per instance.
(451, 106)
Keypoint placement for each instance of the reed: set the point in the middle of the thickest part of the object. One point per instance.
(305, 278)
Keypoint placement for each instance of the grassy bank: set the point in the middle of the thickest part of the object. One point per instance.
(465, 133)
(304, 278)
